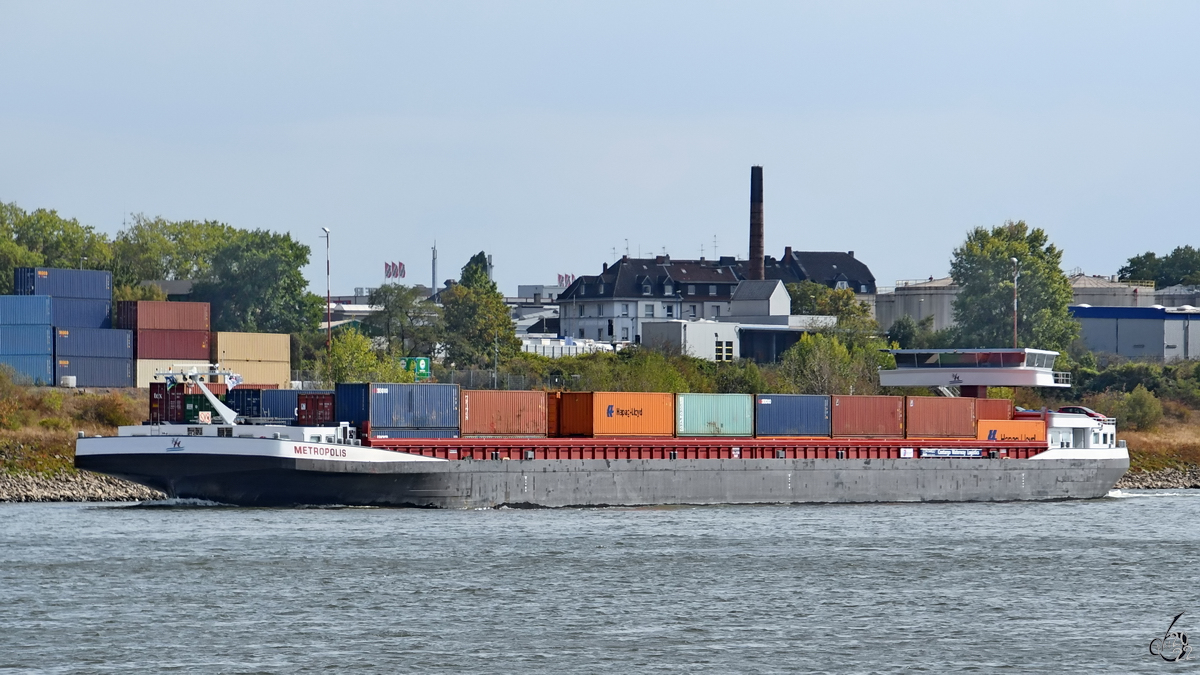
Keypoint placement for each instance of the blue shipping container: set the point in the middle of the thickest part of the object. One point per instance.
(80, 313)
(93, 372)
(26, 340)
(247, 402)
(381, 432)
(93, 342)
(390, 405)
(63, 283)
(31, 369)
(791, 415)
(16, 310)
(282, 403)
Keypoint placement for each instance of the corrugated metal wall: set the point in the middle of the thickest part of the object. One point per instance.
(714, 415)
(792, 415)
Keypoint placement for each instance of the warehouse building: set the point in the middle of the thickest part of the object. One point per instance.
(1154, 333)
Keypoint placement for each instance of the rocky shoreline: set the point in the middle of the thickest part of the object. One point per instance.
(1165, 479)
(80, 486)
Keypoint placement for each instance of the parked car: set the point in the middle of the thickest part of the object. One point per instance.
(1080, 410)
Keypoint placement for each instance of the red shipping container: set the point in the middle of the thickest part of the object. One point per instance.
(939, 417)
(502, 413)
(993, 409)
(314, 410)
(868, 416)
(553, 413)
(172, 344)
(166, 405)
(162, 315)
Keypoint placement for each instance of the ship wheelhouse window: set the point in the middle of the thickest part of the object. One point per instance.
(195, 431)
(225, 432)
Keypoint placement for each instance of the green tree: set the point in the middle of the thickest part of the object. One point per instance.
(405, 318)
(477, 323)
(983, 269)
(255, 284)
(1142, 409)
(1181, 266)
(139, 292)
(156, 248)
(353, 359)
(61, 242)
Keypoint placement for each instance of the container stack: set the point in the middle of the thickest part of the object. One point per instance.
(181, 403)
(390, 410)
(503, 414)
(259, 358)
(74, 309)
(606, 413)
(166, 335)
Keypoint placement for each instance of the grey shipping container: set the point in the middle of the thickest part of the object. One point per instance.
(791, 415)
(282, 403)
(81, 313)
(385, 432)
(26, 341)
(93, 342)
(30, 369)
(391, 405)
(25, 309)
(63, 283)
(94, 372)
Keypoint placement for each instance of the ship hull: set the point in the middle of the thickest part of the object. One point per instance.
(266, 472)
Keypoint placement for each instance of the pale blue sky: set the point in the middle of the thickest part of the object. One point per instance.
(548, 133)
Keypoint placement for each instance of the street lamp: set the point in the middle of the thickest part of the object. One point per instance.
(1016, 275)
(328, 313)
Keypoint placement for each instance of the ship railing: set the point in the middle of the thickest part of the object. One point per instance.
(1062, 378)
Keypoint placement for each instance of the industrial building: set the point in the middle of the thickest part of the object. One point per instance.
(1154, 333)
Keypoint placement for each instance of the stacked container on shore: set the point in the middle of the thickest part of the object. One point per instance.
(82, 298)
(391, 410)
(27, 338)
(166, 335)
(95, 357)
(259, 358)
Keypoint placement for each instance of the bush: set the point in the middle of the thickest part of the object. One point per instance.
(51, 401)
(112, 410)
(54, 424)
(1142, 409)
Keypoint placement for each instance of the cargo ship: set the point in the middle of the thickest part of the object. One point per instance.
(430, 445)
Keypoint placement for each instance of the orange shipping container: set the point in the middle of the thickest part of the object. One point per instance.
(553, 413)
(502, 413)
(605, 413)
(993, 409)
(939, 417)
(868, 416)
(1012, 430)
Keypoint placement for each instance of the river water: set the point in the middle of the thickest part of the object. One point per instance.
(1021, 587)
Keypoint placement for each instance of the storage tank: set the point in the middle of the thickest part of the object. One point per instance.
(783, 415)
(714, 415)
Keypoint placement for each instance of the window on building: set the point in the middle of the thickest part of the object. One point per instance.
(842, 285)
(580, 333)
(716, 310)
(692, 310)
(670, 311)
(581, 312)
(599, 310)
(646, 290)
(625, 333)
(650, 310)
(599, 333)
(600, 289)
(668, 289)
(712, 289)
(691, 289)
(862, 288)
(625, 309)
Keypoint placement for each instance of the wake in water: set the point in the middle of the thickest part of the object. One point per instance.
(174, 503)
(1130, 494)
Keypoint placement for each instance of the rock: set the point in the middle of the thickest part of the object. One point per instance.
(81, 486)
(1166, 479)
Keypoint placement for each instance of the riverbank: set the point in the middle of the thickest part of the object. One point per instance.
(78, 486)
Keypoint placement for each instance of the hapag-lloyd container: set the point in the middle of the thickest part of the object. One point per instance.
(939, 417)
(162, 315)
(605, 413)
(391, 405)
(95, 372)
(1012, 430)
(868, 416)
(30, 369)
(993, 409)
(26, 341)
(62, 283)
(314, 410)
(94, 343)
(714, 415)
(792, 415)
(251, 347)
(503, 413)
(81, 313)
(172, 344)
(26, 310)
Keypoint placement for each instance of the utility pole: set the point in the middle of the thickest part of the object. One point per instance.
(496, 367)
(1016, 275)
(328, 311)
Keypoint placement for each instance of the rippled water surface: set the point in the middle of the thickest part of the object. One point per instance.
(1055, 587)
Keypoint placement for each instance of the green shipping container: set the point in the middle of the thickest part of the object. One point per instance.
(714, 415)
(193, 404)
